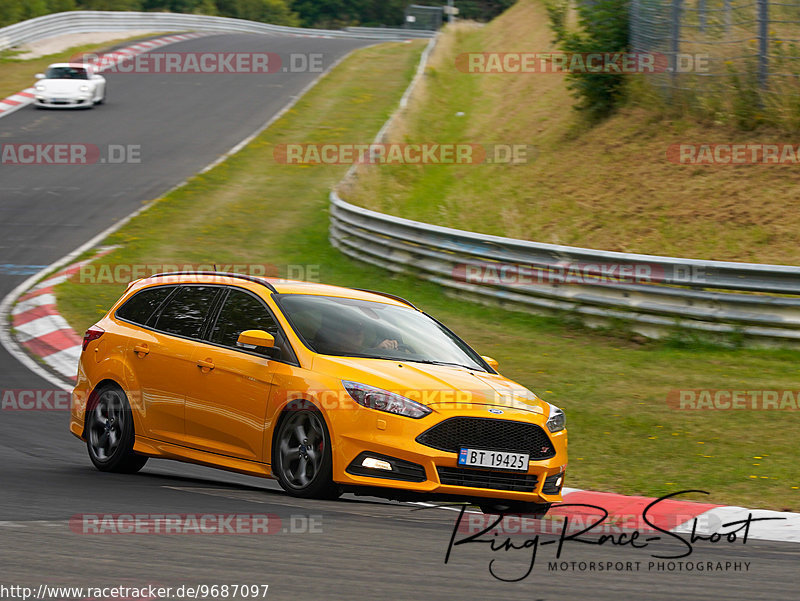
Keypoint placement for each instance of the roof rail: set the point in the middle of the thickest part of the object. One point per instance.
(241, 276)
(387, 295)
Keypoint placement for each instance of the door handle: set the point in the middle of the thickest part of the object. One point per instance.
(205, 364)
(141, 350)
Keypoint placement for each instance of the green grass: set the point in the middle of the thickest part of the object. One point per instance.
(16, 74)
(606, 187)
(623, 435)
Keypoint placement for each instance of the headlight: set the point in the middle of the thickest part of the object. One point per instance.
(557, 420)
(84, 88)
(40, 87)
(383, 400)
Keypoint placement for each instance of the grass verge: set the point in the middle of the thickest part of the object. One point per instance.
(609, 187)
(624, 437)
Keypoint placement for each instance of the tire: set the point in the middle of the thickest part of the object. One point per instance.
(102, 99)
(110, 433)
(501, 507)
(302, 459)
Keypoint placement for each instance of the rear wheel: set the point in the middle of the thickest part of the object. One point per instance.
(501, 507)
(110, 433)
(302, 458)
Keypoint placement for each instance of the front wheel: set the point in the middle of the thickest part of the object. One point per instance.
(302, 458)
(110, 433)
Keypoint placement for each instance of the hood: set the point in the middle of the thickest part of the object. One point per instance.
(437, 386)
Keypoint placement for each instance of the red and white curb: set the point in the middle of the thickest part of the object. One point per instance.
(25, 97)
(626, 515)
(39, 327)
(16, 101)
(680, 516)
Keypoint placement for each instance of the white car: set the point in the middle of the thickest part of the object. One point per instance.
(69, 85)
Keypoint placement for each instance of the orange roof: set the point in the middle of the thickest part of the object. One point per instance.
(280, 285)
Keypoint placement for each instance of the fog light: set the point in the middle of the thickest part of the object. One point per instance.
(552, 484)
(377, 464)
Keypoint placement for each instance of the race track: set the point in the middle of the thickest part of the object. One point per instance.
(359, 548)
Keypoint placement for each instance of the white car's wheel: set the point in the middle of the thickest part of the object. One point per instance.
(102, 98)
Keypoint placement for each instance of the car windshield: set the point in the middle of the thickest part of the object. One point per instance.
(356, 328)
(66, 73)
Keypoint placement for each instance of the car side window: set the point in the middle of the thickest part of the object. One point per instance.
(187, 310)
(241, 312)
(143, 304)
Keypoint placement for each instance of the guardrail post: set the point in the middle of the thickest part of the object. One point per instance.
(763, 43)
(701, 14)
(726, 5)
(675, 39)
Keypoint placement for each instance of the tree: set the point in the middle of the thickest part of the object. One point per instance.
(34, 8)
(60, 6)
(478, 10)
(10, 12)
(276, 12)
(110, 4)
(206, 7)
(603, 29)
(266, 11)
(172, 6)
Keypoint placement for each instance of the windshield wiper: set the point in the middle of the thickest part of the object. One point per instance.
(365, 356)
(449, 363)
(425, 361)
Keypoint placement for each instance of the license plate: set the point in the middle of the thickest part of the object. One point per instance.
(494, 459)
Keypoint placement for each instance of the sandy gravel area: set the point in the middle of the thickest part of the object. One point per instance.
(70, 40)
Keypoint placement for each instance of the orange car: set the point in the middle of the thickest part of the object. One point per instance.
(326, 389)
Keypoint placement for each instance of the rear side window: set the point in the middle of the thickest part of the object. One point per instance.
(186, 311)
(142, 305)
(241, 312)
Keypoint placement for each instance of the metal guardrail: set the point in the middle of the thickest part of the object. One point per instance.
(399, 32)
(91, 21)
(652, 292)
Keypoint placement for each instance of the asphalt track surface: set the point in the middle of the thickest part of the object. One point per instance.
(359, 548)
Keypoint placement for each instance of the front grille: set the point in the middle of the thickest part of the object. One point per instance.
(489, 435)
(457, 476)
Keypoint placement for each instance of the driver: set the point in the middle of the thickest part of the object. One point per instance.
(352, 340)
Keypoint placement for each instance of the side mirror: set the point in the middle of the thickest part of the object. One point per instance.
(492, 362)
(39, 76)
(256, 338)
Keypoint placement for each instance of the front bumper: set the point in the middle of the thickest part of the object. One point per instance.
(394, 437)
(62, 103)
